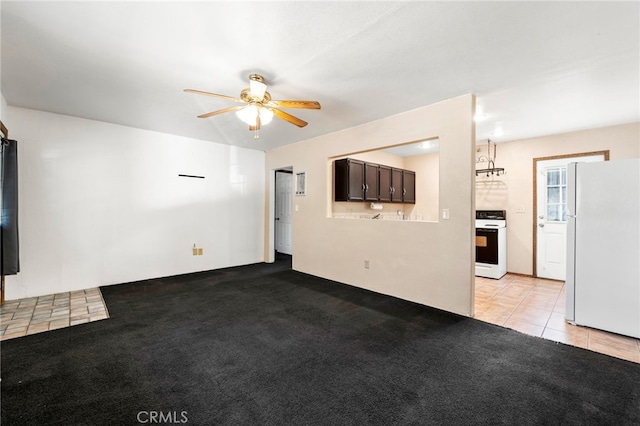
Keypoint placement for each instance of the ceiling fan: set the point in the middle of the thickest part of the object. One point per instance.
(258, 108)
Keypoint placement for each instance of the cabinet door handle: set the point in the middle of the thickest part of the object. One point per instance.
(404, 191)
(363, 187)
(366, 187)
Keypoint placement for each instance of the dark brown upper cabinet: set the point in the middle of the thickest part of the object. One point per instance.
(348, 175)
(408, 187)
(396, 185)
(371, 183)
(356, 180)
(384, 180)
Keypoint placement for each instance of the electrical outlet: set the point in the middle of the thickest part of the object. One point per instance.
(366, 264)
(195, 251)
(200, 250)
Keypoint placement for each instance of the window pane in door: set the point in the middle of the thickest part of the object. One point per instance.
(557, 194)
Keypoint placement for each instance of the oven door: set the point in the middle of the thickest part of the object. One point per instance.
(487, 246)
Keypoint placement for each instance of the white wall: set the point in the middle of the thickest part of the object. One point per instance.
(3, 108)
(427, 168)
(103, 204)
(427, 262)
(514, 190)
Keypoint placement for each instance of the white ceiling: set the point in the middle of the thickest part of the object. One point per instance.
(537, 68)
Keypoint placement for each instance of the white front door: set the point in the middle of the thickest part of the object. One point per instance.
(551, 215)
(284, 198)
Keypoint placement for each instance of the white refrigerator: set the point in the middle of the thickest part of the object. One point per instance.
(603, 245)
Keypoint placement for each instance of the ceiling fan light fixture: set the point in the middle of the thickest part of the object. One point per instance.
(249, 114)
(259, 109)
(257, 86)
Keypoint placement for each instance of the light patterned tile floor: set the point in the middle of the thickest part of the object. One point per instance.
(37, 314)
(536, 306)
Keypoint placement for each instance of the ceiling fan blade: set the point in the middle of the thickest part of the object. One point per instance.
(221, 111)
(288, 117)
(294, 104)
(215, 95)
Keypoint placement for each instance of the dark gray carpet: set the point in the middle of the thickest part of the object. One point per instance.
(264, 345)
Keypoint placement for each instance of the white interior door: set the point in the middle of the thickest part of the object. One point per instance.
(551, 215)
(284, 198)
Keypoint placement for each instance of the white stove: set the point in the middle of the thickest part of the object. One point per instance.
(491, 243)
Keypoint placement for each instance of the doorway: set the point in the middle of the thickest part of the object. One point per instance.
(550, 212)
(283, 225)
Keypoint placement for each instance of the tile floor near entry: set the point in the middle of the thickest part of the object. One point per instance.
(37, 314)
(536, 306)
(529, 305)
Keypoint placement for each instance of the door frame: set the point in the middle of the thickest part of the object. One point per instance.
(288, 171)
(271, 246)
(534, 216)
